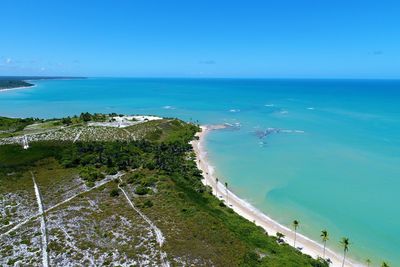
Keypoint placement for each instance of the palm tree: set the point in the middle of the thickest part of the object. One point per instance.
(226, 188)
(325, 237)
(384, 264)
(345, 242)
(368, 262)
(295, 225)
(216, 186)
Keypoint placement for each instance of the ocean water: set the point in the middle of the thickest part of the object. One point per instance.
(330, 158)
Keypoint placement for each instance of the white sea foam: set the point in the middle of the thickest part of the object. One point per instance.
(291, 131)
(269, 105)
(234, 110)
(235, 125)
(169, 107)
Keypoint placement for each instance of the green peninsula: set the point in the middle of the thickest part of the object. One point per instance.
(11, 84)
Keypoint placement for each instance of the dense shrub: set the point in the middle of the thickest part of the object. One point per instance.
(148, 204)
(114, 192)
(141, 190)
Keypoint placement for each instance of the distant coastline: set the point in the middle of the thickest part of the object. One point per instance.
(8, 83)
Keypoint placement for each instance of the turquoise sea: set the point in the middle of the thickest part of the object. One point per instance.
(325, 152)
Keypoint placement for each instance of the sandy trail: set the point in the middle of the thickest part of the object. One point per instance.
(98, 184)
(252, 214)
(45, 256)
(77, 136)
(159, 235)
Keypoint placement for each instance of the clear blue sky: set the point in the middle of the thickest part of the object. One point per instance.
(203, 38)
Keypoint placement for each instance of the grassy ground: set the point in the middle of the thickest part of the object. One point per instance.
(17, 199)
(55, 182)
(9, 126)
(200, 230)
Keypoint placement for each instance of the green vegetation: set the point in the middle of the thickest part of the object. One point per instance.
(11, 125)
(208, 229)
(92, 117)
(91, 174)
(114, 192)
(148, 204)
(10, 83)
(160, 171)
(13, 158)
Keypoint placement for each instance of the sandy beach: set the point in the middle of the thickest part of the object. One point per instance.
(16, 88)
(249, 212)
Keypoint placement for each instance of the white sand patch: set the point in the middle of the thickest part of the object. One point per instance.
(124, 121)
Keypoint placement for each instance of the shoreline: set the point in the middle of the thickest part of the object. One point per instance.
(249, 212)
(38, 79)
(17, 88)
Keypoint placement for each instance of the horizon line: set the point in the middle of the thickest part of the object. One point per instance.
(34, 77)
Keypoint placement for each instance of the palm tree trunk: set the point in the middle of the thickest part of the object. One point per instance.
(295, 235)
(344, 258)
(324, 249)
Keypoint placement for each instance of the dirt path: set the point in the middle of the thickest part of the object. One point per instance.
(43, 229)
(98, 184)
(77, 136)
(159, 236)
